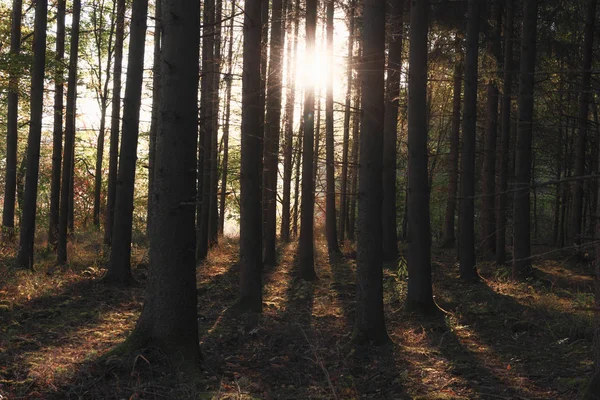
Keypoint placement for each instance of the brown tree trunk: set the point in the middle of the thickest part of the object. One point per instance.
(250, 204)
(467, 177)
(419, 297)
(505, 126)
(370, 318)
(169, 320)
(27, 228)
(390, 129)
(448, 234)
(522, 223)
(119, 266)
(298, 163)
(115, 121)
(355, 154)
(306, 242)
(271, 132)
(57, 133)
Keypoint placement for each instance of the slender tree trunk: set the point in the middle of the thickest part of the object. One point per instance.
(317, 150)
(355, 154)
(70, 127)
(228, 81)
(420, 293)
(57, 133)
(27, 228)
(306, 242)
(582, 121)
(467, 177)
(115, 121)
(272, 128)
(290, 104)
(169, 319)
(119, 266)
(156, 94)
(505, 125)
(347, 114)
(250, 205)
(370, 319)
(12, 133)
(448, 234)
(299, 146)
(390, 138)
(522, 223)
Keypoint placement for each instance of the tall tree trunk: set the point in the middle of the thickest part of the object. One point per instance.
(522, 223)
(57, 133)
(119, 266)
(505, 125)
(299, 146)
(306, 242)
(272, 128)
(115, 121)
(488, 181)
(290, 104)
(206, 129)
(448, 234)
(355, 154)
(420, 294)
(347, 114)
(582, 121)
(390, 129)
(156, 94)
(228, 81)
(250, 204)
(12, 133)
(370, 318)
(467, 177)
(168, 319)
(330, 211)
(27, 228)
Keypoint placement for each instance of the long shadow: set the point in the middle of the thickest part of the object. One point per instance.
(344, 284)
(538, 342)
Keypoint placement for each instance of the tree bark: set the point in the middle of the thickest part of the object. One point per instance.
(370, 317)
(505, 125)
(168, 320)
(448, 234)
(306, 242)
(299, 146)
(57, 133)
(522, 224)
(271, 132)
(115, 121)
(390, 129)
(119, 266)
(27, 228)
(351, 228)
(250, 205)
(467, 261)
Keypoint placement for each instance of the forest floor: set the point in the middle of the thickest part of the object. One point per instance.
(499, 340)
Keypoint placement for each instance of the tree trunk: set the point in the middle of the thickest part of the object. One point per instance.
(522, 223)
(419, 297)
(57, 133)
(228, 81)
(12, 133)
(115, 121)
(306, 242)
(505, 125)
(467, 177)
(272, 128)
(250, 204)
(347, 114)
(168, 319)
(370, 318)
(582, 121)
(119, 266)
(206, 129)
(299, 146)
(27, 228)
(290, 104)
(390, 129)
(156, 94)
(448, 234)
(355, 154)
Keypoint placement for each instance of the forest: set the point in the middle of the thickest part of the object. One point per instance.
(300, 199)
